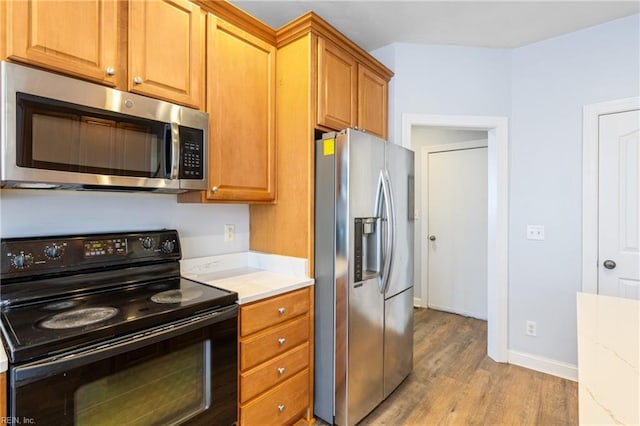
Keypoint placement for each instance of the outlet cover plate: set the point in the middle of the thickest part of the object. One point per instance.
(535, 232)
(229, 233)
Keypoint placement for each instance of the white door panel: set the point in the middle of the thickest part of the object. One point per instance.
(457, 265)
(619, 205)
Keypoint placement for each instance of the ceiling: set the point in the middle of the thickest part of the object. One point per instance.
(497, 24)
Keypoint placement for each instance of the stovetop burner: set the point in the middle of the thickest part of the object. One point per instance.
(176, 296)
(79, 318)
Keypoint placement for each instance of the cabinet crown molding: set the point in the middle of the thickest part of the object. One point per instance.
(313, 23)
(238, 17)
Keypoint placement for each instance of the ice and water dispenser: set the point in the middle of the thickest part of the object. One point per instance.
(367, 243)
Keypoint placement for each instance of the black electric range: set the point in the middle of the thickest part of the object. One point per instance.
(67, 292)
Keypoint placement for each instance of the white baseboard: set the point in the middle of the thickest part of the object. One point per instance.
(417, 302)
(462, 312)
(544, 365)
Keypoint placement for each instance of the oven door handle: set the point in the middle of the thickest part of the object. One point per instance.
(38, 370)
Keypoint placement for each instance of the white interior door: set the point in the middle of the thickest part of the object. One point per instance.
(619, 205)
(457, 231)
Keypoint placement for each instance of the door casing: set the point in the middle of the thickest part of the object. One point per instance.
(498, 215)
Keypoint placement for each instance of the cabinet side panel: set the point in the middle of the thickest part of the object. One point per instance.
(324, 283)
(285, 228)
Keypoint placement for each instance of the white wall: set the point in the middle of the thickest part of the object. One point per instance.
(552, 80)
(445, 80)
(201, 227)
(542, 88)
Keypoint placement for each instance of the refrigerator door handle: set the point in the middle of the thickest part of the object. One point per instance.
(390, 235)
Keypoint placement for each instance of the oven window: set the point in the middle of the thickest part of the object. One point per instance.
(59, 136)
(188, 376)
(164, 390)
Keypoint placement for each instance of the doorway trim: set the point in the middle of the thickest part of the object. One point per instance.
(590, 147)
(497, 216)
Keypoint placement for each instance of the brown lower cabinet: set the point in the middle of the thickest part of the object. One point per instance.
(275, 360)
(3, 395)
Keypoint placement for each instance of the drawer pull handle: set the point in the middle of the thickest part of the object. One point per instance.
(281, 341)
(281, 310)
(281, 407)
(281, 370)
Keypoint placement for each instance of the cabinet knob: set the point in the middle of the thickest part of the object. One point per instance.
(214, 189)
(281, 310)
(137, 80)
(281, 341)
(111, 71)
(280, 371)
(281, 407)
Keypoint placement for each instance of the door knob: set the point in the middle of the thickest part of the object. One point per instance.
(432, 237)
(609, 264)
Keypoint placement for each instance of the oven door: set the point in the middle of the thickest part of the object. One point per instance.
(183, 373)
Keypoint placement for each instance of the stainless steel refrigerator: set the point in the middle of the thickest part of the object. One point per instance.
(364, 206)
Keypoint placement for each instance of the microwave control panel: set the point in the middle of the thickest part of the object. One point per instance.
(191, 153)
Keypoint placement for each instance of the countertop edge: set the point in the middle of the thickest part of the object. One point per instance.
(308, 282)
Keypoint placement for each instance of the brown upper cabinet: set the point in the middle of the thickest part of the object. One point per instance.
(241, 84)
(350, 94)
(372, 101)
(337, 86)
(79, 38)
(154, 48)
(166, 50)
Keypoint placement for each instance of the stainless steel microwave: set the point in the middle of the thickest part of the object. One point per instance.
(62, 133)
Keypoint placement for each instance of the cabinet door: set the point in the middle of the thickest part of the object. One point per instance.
(73, 37)
(372, 102)
(166, 50)
(337, 85)
(241, 106)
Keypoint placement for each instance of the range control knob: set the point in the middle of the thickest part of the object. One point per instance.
(147, 243)
(168, 246)
(22, 260)
(53, 251)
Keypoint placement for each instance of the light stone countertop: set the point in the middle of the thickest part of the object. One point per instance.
(254, 276)
(608, 359)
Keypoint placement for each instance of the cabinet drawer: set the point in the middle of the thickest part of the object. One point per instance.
(261, 315)
(270, 343)
(280, 405)
(274, 372)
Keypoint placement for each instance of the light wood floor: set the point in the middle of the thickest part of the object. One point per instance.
(454, 382)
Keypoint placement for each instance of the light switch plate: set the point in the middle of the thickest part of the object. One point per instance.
(535, 232)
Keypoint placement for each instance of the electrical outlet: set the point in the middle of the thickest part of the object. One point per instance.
(535, 232)
(229, 233)
(532, 328)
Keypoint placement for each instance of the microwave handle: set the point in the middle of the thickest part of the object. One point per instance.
(175, 150)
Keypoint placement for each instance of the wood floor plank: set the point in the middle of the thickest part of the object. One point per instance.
(454, 382)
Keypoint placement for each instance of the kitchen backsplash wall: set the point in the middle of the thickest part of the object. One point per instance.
(201, 227)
